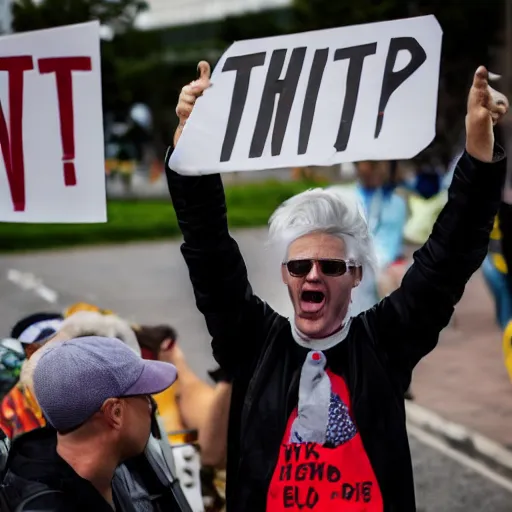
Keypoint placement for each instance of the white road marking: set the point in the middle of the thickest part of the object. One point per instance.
(28, 281)
(461, 458)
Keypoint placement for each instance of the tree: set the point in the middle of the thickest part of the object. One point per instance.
(34, 15)
(119, 15)
(319, 14)
(254, 25)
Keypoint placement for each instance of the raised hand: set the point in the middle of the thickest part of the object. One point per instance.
(485, 108)
(189, 95)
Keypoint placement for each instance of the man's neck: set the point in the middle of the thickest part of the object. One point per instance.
(92, 463)
(321, 343)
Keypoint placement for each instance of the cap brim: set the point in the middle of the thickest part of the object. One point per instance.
(39, 331)
(155, 378)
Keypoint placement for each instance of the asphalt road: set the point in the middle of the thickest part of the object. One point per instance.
(148, 283)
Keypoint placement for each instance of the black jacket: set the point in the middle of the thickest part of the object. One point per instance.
(254, 343)
(34, 466)
(37, 479)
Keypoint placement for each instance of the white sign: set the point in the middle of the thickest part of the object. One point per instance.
(52, 166)
(366, 92)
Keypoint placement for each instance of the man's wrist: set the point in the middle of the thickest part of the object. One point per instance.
(177, 133)
(498, 154)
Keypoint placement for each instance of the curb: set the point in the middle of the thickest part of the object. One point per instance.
(489, 452)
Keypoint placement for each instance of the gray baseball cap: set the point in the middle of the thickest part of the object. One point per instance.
(73, 378)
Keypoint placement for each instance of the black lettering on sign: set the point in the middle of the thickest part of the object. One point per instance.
(286, 89)
(301, 472)
(243, 65)
(317, 471)
(367, 491)
(333, 474)
(393, 80)
(347, 492)
(292, 497)
(356, 55)
(312, 498)
(307, 471)
(361, 491)
(311, 451)
(308, 110)
(288, 497)
(291, 449)
(286, 472)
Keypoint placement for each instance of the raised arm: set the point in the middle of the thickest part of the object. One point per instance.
(236, 319)
(407, 324)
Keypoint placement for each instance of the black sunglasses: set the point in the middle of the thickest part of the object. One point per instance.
(329, 267)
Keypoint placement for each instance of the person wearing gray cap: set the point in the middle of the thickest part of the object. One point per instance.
(95, 394)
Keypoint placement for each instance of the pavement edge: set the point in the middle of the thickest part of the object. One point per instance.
(494, 455)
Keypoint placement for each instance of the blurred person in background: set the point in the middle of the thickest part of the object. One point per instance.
(496, 271)
(427, 186)
(386, 214)
(95, 394)
(19, 411)
(192, 411)
(12, 356)
(326, 387)
(497, 263)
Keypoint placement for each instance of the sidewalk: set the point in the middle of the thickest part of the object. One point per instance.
(464, 379)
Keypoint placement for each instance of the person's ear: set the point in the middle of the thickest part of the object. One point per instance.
(113, 411)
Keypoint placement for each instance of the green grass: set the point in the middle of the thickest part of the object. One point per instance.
(129, 220)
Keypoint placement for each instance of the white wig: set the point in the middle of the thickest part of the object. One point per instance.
(335, 211)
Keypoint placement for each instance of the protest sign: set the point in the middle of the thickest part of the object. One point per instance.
(365, 92)
(52, 165)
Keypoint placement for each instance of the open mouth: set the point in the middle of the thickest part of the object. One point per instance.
(314, 297)
(312, 301)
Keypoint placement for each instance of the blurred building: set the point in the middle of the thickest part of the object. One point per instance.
(172, 13)
(5, 16)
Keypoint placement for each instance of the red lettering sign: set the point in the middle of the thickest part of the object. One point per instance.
(11, 138)
(63, 68)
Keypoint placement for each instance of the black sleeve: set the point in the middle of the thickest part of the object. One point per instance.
(407, 324)
(237, 320)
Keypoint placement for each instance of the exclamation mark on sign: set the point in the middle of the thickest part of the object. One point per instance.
(63, 68)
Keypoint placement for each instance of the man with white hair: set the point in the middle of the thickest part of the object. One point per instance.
(317, 416)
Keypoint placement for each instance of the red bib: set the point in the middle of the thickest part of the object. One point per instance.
(310, 476)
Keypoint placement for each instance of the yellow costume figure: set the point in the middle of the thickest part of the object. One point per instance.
(495, 272)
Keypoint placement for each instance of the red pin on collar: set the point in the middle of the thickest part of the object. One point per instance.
(316, 356)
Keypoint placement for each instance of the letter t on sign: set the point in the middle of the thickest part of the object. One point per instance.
(356, 56)
(12, 143)
(286, 89)
(63, 68)
(243, 65)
